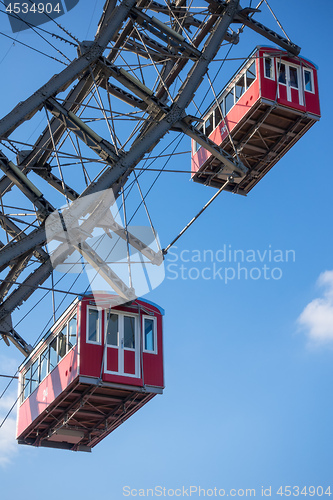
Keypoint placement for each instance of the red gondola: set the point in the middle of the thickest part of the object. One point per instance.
(95, 368)
(267, 106)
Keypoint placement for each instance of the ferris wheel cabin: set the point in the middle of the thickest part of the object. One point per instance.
(95, 369)
(266, 107)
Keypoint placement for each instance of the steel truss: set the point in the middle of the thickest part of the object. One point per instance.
(128, 35)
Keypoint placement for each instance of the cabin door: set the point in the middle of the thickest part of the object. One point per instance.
(290, 83)
(122, 345)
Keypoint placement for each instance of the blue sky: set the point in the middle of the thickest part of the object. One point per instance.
(248, 363)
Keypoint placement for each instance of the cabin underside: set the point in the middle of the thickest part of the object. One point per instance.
(85, 413)
(261, 139)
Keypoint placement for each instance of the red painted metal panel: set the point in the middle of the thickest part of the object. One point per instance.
(295, 99)
(312, 98)
(153, 371)
(282, 99)
(153, 363)
(91, 355)
(129, 362)
(48, 390)
(112, 359)
(122, 379)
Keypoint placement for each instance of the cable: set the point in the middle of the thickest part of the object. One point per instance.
(32, 48)
(39, 287)
(91, 18)
(165, 251)
(218, 71)
(39, 28)
(51, 19)
(33, 27)
(12, 45)
(276, 19)
(48, 291)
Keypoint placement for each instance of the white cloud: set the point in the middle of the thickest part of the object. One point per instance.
(317, 317)
(8, 444)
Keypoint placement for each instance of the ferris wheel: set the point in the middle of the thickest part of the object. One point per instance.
(80, 158)
(76, 153)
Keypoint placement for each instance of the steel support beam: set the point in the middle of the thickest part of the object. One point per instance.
(25, 186)
(13, 274)
(58, 184)
(62, 80)
(232, 165)
(271, 35)
(18, 341)
(124, 96)
(16, 233)
(100, 146)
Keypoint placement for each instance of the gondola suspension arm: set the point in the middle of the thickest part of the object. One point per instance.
(230, 179)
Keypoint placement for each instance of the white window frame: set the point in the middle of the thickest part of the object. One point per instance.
(231, 88)
(289, 87)
(76, 333)
(99, 310)
(278, 64)
(218, 106)
(37, 376)
(248, 66)
(46, 349)
(106, 326)
(21, 386)
(241, 75)
(211, 114)
(266, 56)
(312, 80)
(136, 333)
(121, 322)
(155, 351)
(24, 374)
(54, 337)
(65, 324)
(299, 77)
